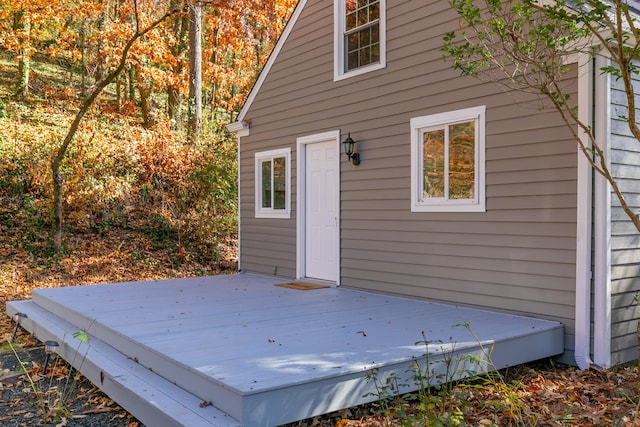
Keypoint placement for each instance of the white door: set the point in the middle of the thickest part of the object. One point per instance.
(322, 210)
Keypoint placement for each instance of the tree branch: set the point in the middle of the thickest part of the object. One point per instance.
(57, 159)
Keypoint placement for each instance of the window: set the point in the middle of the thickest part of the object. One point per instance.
(359, 36)
(447, 162)
(273, 183)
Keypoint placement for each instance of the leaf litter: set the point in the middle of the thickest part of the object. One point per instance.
(547, 394)
(64, 397)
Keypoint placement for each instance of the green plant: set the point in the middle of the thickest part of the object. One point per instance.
(434, 381)
(49, 400)
(52, 389)
(509, 402)
(440, 398)
(432, 402)
(387, 393)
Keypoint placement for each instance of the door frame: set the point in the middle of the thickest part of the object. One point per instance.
(301, 199)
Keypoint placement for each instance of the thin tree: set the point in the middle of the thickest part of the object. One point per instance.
(525, 47)
(22, 25)
(195, 71)
(60, 153)
(174, 97)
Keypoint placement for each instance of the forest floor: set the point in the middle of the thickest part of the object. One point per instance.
(535, 394)
(64, 397)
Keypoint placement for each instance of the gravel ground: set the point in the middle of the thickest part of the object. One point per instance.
(62, 398)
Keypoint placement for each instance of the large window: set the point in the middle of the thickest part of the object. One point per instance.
(360, 36)
(447, 162)
(273, 183)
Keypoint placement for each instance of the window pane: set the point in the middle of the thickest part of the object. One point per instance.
(375, 34)
(375, 53)
(351, 21)
(351, 10)
(363, 17)
(374, 11)
(375, 44)
(279, 182)
(352, 42)
(433, 163)
(461, 160)
(365, 38)
(352, 60)
(364, 56)
(266, 184)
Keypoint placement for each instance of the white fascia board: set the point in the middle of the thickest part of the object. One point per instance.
(240, 128)
(272, 59)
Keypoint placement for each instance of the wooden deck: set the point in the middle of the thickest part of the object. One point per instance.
(263, 355)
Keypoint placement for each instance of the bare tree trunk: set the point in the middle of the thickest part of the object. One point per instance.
(101, 55)
(174, 99)
(60, 153)
(146, 103)
(195, 72)
(22, 23)
(119, 93)
(132, 85)
(83, 61)
(173, 104)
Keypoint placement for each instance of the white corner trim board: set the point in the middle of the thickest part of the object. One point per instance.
(583, 223)
(593, 89)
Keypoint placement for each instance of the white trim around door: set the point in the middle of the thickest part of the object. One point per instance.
(304, 145)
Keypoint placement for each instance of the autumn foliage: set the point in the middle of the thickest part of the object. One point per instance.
(129, 163)
(89, 35)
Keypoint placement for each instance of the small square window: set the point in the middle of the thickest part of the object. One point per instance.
(447, 162)
(273, 183)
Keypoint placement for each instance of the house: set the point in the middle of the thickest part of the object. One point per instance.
(406, 241)
(458, 192)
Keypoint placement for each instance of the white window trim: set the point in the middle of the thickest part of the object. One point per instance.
(261, 212)
(477, 204)
(339, 72)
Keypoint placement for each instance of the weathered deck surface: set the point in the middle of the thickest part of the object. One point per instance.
(263, 355)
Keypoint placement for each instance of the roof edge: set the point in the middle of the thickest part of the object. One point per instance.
(240, 127)
(272, 58)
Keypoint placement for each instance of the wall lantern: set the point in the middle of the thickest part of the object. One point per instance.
(349, 146)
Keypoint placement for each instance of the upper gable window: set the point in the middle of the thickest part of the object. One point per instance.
(273, 183)
(447, 162)
(360, 31)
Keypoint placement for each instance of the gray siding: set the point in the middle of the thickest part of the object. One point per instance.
(625, 239)
(519, 256)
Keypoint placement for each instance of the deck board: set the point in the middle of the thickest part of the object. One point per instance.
(268, 354)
